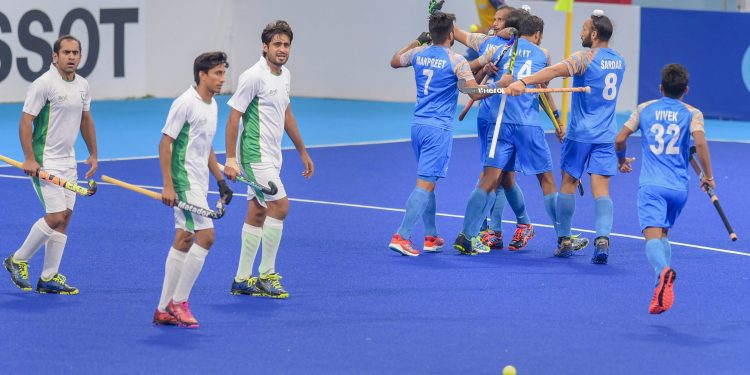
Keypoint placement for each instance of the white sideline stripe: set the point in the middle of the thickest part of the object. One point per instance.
(380, 208)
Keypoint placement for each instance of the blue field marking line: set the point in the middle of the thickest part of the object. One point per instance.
(380, 208)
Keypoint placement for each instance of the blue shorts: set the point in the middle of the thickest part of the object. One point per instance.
(432, 148)
(659, 206)
(484, 129)
(597, 158)
(520, 148)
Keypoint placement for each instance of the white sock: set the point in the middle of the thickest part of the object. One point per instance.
(38, 235)
(53, 252)
(172, 271)
(250, 243)
(271, 238)
(191, 268)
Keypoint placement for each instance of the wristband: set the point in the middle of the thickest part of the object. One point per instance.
(524, 82)
(556, 113)
(620, 154)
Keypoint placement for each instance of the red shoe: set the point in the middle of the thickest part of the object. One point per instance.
(492, 239)
(524, 232)
(433, 244)
(664, 292)
(181, 312)
(402, 246)
(163, 318)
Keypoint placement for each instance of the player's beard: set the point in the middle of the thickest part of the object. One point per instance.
(586, 42)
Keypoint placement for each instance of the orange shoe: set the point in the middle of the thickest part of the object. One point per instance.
(524, 232)
(163, 318)
(664, 293)
(433, 244)
(181, 312)
(402, 246)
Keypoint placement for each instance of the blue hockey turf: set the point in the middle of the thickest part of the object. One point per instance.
(358, 308)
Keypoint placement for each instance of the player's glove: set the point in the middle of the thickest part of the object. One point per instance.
(424, 38)
(225, 192)
(435, 6)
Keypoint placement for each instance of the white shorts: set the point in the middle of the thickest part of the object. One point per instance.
(56, 198)
(262, 173)
(188, 221)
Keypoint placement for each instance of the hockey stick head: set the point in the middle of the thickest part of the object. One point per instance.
(272, 188)
(92, 188)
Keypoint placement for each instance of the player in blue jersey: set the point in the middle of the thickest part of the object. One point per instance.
(506, 19)
(666, 125)
(439, 73)
(521, 144)
(589, 144)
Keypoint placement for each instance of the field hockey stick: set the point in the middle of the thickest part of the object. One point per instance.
(499, 120)
(501, 91)
(434, 6)
(711, 194)
(272, 189)
(468, 105)
(65, 184)
(220, 208)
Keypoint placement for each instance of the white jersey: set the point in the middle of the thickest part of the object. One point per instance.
(58, 107)
(192, 124)
(263, 98)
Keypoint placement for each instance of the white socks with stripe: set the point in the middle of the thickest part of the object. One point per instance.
(251, 237)
(53, 252)
(191, 268)
(272, 229)
(39, 234)
(172, 272)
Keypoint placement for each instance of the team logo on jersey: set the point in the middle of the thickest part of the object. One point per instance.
(272, 92)
(83, 97)
(62, 98)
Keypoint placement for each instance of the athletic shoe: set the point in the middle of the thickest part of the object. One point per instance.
(246, 287)
(433, 244)
(19, 272)
(478, 246)
(579, 243)
(601, 250)
(270, 286)
(55, 285)
(564, 247)
(163, 318)
(182, 314)
(664, 292)
(524, 232)
(464, 245)
(492, 239)
(402, 246)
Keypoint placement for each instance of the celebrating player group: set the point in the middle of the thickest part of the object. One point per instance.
(512, 62)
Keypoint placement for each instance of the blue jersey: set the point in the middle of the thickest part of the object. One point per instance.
(666, 125)
(593, 114)
(436, 71)
(523, 109)
(492, 47)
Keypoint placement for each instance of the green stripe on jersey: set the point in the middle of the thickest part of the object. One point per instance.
(39, 136)
(179, 152)
(189, 222)
(250, 141)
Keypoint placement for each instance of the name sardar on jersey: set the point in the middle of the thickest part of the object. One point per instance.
(430, 62)
(611, 64)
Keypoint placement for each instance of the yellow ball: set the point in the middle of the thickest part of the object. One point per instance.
(509, 370)
(474, 28)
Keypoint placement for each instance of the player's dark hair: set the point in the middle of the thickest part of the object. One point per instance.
(531, 25)
(441, 25)
(56, 47)
(503, 7)
(207, 61)
(603, 27)
(515, 17)
(674, 80)
(274, 28)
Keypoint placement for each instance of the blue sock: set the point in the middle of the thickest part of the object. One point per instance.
(550, 202)
(474, 209)
(603, 212)
(667, 250)
(487, 210)
(566, 206)
(430, 228)
(415, 207)
(655, 255)
(516, 202)
(496, 215)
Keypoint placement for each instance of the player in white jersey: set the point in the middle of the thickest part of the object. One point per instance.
(58, 106)
(186, 155)
(262, 103)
